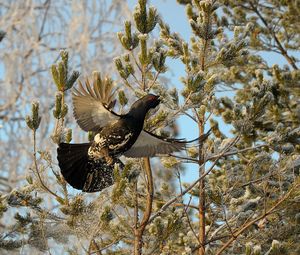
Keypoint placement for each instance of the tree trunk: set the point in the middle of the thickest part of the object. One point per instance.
(201, 209)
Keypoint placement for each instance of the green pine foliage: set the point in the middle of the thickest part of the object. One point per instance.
(246, 199)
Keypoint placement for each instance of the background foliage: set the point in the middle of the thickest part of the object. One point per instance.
(246, 198)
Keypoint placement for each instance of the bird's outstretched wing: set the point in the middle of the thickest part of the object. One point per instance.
(92, 104)
(149, 145)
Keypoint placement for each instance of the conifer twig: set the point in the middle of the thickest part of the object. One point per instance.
(277, 41)
(37, 169)
(171, 201)
(262, 216)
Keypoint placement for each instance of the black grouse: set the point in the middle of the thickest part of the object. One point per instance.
(90, 166)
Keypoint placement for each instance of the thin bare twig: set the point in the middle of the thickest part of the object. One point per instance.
(189, 222)
(44, 186)
(154, 80)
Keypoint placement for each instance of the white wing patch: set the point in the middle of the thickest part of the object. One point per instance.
(123, 143)
(99, 140)
(97, 150)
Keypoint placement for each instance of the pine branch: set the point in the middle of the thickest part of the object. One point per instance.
(238, 232)
(279, 45)
(171, 201)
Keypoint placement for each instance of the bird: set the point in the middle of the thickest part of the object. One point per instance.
(90, 166)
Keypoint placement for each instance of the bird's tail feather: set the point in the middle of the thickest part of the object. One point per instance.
(73, 161)
(82, 172)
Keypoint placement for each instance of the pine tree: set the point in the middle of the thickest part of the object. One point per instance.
(246, 198)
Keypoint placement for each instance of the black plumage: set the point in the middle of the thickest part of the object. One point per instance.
(81, 171)
(90, 166)
(118, 136)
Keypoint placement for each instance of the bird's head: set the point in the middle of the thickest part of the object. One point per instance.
(150, 101)
(143, 105)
